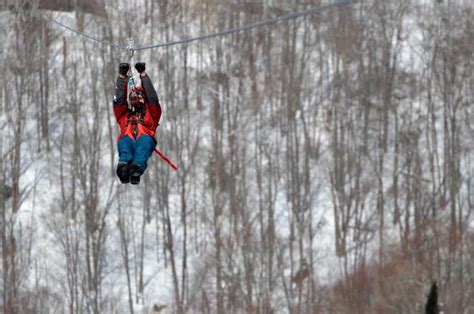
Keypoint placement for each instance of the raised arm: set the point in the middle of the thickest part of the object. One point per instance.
(147, 84)
(149, 90)
(120, 103)
(120, 97)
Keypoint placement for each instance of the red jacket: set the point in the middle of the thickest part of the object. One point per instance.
(143, 120)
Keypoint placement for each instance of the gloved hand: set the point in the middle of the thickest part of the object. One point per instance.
(124, 68)
(140, 67)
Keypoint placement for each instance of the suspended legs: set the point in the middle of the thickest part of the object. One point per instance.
(133, 157)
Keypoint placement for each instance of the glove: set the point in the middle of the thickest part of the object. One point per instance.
(140, 67)
(124, 68)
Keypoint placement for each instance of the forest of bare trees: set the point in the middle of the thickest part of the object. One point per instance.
(326, 163)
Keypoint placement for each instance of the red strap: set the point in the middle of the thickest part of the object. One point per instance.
(166, 159)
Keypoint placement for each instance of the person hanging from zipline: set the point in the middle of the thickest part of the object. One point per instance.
(138, 120)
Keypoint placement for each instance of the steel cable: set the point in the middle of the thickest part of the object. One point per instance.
(314, 10)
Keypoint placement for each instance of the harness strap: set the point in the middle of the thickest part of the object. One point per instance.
(135, 118)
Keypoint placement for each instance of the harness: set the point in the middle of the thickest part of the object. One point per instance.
(136, 116)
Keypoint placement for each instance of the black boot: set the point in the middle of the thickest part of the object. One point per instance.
(135, 174)
(123, 172)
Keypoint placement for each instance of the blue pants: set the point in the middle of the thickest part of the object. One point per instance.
(136, 152)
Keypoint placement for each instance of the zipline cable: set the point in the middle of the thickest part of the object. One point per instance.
(314, 10)
(255, 25)
(87, 35)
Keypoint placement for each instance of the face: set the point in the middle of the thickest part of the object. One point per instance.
(136, 99)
